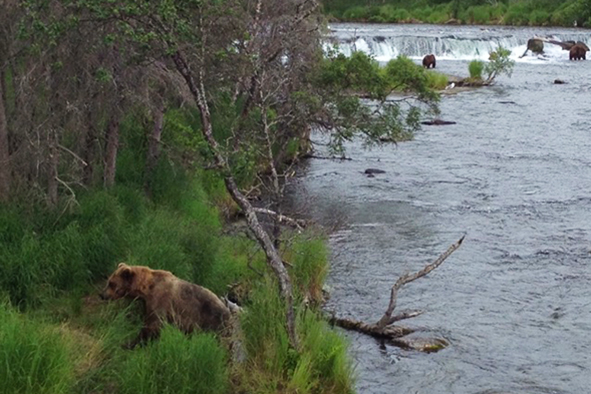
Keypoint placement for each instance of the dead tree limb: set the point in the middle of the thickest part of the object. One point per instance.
(297, 223)
(407, 278)
(384, 328)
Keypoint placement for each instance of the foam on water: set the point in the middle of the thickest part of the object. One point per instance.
(386, 42)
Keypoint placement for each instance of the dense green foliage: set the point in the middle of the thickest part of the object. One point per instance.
(361, 75)
(54, 262)
(176, 365)
(499, 63)
(34, 357)
(136, 129)
(520, 12)
(322, 368)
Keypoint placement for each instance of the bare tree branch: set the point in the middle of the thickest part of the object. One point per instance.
(300, 224)
(384, 321)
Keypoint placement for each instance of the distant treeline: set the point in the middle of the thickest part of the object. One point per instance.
(507, 12)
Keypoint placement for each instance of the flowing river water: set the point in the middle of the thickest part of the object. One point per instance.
(514, 175)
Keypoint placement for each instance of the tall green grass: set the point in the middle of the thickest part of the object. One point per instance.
(321, 367)
(309, 258)
(176, 364)
(436, 81)
(34, 358)
(475, 68)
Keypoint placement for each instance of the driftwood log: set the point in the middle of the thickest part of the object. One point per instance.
(385, 328)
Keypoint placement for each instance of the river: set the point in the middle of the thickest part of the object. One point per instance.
(514, 175)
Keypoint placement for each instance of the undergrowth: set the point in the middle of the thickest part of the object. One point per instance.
(474, 12)
(56, 336)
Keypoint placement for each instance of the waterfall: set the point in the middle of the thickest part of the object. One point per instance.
(469, 43)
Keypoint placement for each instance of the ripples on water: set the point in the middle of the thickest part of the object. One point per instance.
(514, 173)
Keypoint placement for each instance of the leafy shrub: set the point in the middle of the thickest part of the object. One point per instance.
(497, 12)
(34, 358)
(421, 14)
(478, 14)
(476, 67)
(176, 364)
(357, 14)
(517, 14)
(393, 14)
(438, 17)
(403, 74)
(539, 18)
(499, 63)
(359, 73)
(401, 14)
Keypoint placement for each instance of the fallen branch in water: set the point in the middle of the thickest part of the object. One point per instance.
(384, 328)
(300, 224)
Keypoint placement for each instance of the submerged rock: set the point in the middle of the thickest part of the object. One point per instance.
(535, 45)
(427, 345)
(437, 122)
(559, 82)
(373, 171)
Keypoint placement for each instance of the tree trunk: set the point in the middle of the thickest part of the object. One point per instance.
(112, 136)
(154, 145)
(5, 178)
(52, 173)
(273, 258)
(88, 154)
(111, 151)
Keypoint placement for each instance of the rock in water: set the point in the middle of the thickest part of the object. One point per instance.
(373, 171)
(535, 45)
(437, 122)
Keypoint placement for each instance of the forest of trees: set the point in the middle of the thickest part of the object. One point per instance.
(504, 12)
(129, 131)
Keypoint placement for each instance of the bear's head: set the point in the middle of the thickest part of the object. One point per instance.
(120, 283)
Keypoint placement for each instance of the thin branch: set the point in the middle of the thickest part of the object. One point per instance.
(385, 320)
(404, 315)
(298, 223)
(73, 154)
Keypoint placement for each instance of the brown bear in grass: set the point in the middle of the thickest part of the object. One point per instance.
(167, 299)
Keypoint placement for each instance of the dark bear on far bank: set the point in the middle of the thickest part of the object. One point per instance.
(578, 52)
(429, 61)
(167, 299)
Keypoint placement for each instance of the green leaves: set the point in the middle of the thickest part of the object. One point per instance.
(499, 63)
(359, 99)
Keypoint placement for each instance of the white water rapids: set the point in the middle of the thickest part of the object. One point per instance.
(386, 42)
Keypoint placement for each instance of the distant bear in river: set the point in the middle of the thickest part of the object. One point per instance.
(577, 52)
(429, 61)
(167, 299)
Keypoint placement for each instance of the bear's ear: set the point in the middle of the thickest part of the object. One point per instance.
(121, 265)
(127, 274)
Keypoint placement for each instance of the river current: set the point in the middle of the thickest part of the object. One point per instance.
(514, 175)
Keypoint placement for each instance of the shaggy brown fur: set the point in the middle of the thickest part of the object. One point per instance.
(429, 61)
(167, 299)
(578, 52)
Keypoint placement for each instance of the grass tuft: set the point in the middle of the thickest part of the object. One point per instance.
(34, 358)
(176, 364)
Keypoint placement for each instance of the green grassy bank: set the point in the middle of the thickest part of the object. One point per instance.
(516, 13)
(56, 336)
